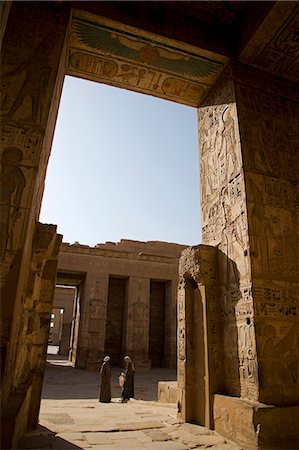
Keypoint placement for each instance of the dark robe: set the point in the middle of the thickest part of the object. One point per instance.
(105, 388)
(128, 387)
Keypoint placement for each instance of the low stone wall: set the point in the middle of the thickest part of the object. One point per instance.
(168, 391)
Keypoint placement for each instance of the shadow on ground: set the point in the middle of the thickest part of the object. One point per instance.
(42, 437)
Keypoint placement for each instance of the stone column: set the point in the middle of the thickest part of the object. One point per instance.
(93, 315)
(137, 332)
(248, 138)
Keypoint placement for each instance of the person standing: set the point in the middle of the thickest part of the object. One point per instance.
(127, 391)
(105, 387)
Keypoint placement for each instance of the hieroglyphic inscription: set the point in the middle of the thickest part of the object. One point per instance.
(104, 50)
(271, 159)
(278, 365)
(29, 139)
(276, 301)
(281, 54)
(269, 126)
(132, 76)
(224, 220)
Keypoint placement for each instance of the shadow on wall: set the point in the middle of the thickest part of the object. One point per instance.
(209, 299)
(230, 296)
(65, 382)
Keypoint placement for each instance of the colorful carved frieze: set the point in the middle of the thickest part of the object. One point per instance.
(107, 51)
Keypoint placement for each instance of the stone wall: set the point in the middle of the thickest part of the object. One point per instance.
(224, 221)
(115, 298)
(23, 392)
(269, 117)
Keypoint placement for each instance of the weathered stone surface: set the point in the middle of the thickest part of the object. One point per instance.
(157, 435)
(98, 438)
(248, 140)
(167, 392)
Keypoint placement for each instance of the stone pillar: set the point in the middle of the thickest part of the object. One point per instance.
(75, 327)
(170, 359)
(31, 87)
(137, 332)
(93, 304)
(248, 138)
(64, 298)
(20, 408)
(199, 335)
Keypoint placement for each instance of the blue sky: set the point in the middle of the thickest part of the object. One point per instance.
(123, 166)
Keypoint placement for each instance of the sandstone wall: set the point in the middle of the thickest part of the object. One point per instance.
(135, 266)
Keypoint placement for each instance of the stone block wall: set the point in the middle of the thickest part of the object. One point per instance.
(114, 290)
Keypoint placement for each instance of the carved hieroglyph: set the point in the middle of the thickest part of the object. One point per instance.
(275, 46)
(107, 51)
(269, 125)
(224, 222)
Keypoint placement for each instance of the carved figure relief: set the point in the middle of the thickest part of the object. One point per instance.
(12, 185)
(27, 82)
(225, 226)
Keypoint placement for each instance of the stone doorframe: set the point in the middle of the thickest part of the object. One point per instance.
(248, 124)
(199, 337)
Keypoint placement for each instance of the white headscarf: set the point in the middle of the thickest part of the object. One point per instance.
(129, 360)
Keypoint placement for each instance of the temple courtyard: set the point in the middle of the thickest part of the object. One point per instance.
(71, 417)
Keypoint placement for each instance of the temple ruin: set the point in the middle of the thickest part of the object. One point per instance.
(121, 300)
(237, 63)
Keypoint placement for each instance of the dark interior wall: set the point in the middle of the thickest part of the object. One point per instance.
(157, 323)
(115, 316)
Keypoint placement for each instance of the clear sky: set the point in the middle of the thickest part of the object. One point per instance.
(123, 166)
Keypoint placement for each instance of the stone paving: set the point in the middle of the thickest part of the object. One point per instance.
(71, 417)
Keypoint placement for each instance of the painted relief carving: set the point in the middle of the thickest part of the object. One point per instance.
(124, 56)
(94, 65)
(12, 186)
(24, 84)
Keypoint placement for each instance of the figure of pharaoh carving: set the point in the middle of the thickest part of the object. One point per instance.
(12, 186)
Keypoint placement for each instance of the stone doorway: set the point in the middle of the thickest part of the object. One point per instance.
(249, 141)
(116, 320)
